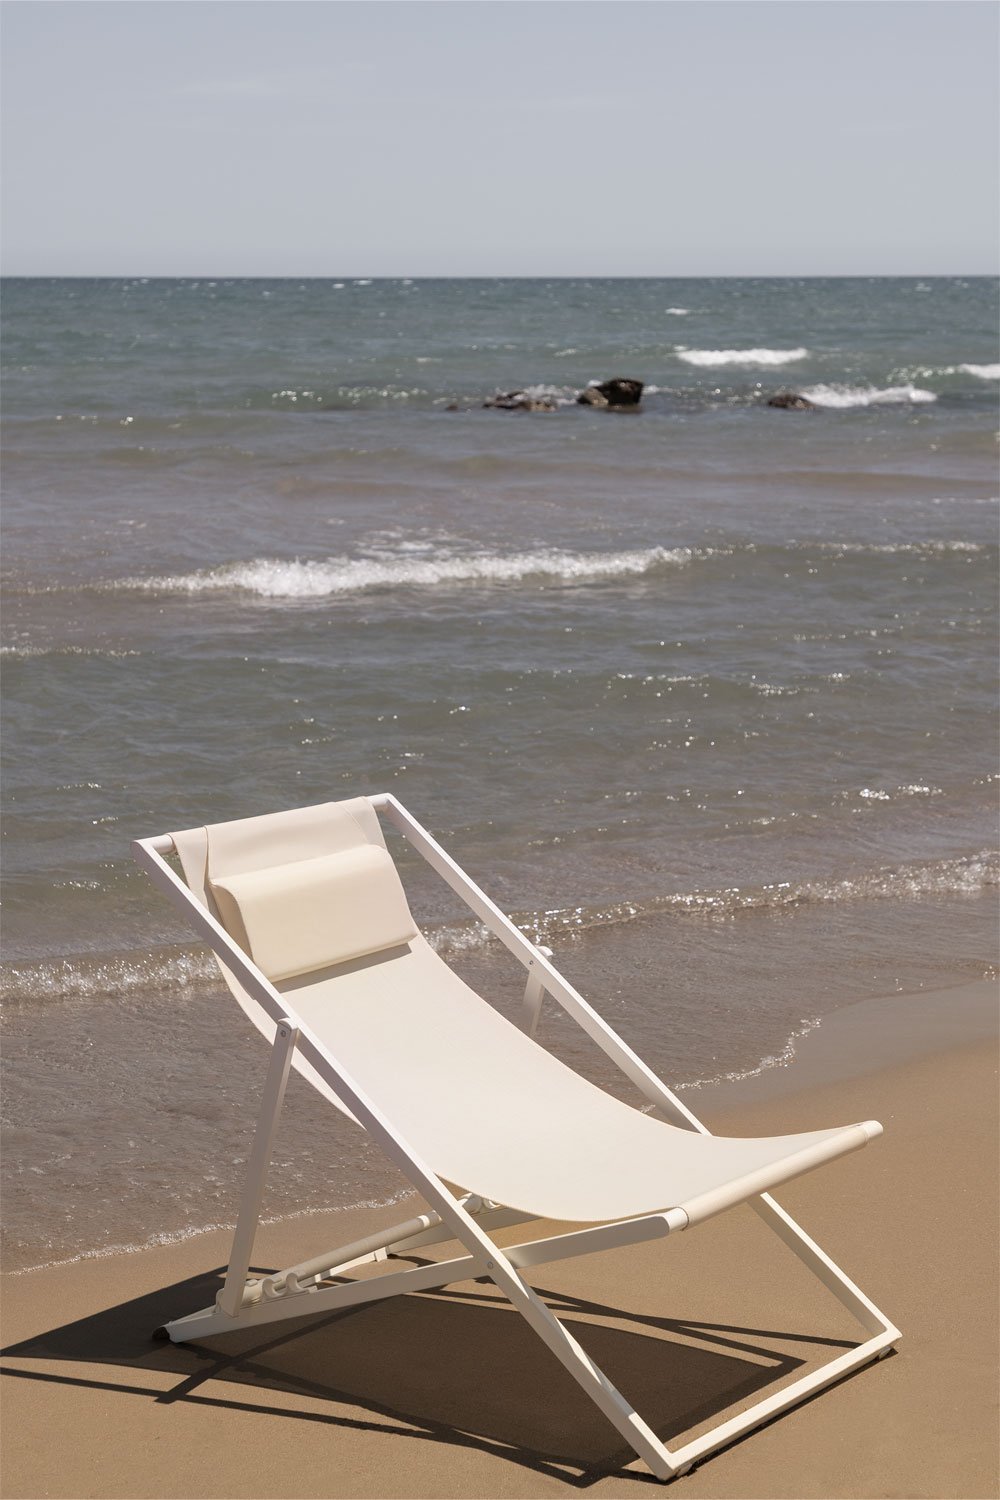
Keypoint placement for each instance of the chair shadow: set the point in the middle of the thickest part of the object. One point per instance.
(449, 1367)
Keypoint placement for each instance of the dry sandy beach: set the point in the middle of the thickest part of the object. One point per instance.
(448, 1394)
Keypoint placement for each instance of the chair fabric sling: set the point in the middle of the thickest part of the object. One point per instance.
(484, 1105)
(308, 909)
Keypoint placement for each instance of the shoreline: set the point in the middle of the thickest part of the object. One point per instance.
(857, 1038)
(440, 1395)
(863, 1037)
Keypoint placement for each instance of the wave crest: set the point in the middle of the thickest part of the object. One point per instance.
(981, 372)
(166, 969)
(276, 578)
(710, 358)
(968, 875)
(845, 395)
(118, 976)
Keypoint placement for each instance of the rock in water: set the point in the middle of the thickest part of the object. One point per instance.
(792, 401)
(615, 394)
(518, 401)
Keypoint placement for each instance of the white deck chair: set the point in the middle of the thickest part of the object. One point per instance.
(308, 919)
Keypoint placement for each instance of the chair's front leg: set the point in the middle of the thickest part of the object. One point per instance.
(230, 1298)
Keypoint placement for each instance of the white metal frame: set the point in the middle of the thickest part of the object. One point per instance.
(296, 1292)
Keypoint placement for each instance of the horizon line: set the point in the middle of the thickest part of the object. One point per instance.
(497, 276)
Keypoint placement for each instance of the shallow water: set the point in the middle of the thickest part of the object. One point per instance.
(705, 694)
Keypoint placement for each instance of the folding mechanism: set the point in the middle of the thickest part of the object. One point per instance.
(306, 915)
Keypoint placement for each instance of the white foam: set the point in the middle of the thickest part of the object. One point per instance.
(713, 357)
(780, 1059)
(968, 875)
(295, 578)
(465, 939)
(914, 789)
(982, 372)
(108, 652)
(166, 971)
(677, 312)
(964, 876)
(83, 978)
(180, 1236)
(909, 549)
(557, 393)
(843, 396)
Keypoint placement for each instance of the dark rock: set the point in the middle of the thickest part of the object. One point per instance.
(518, 401)
(792, 401)
(615, 394)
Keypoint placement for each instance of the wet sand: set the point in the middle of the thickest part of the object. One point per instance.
(449, 1394)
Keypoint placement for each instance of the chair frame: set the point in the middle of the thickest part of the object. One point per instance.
(296, 1292)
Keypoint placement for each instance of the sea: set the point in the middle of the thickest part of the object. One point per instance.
(703, 694)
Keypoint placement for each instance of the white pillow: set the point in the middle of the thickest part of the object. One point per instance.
(315, 912)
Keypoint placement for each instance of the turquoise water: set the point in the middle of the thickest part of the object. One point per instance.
(705, 694)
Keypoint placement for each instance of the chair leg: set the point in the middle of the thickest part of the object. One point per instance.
(662, 1461)
(231, 1296)
(620, 1412)
(822, 1267)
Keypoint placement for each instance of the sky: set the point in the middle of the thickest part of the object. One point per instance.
(500, 137)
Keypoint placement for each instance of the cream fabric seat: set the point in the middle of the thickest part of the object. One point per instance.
(494, 1112)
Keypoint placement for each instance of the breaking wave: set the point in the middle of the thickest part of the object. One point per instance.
(964, 876)
(167, 970)
(711, 358)
(116, 977)
(846, 395)
(417, 565)
(275, 578)
(981, 372)
(109, 652)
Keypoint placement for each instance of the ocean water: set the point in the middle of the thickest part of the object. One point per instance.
(705, 695)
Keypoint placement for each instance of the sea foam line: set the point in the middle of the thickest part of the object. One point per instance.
(195, 1231)
(710, 358)
(108, 653)
(297, 578)
(887, 549)
(846, 396)
(981, 372)
(968, 875)
(81, 978)
(780, 1059)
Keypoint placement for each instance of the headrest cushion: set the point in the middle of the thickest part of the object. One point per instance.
(312, 913)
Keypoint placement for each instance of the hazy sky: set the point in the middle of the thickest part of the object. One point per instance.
(491, 137)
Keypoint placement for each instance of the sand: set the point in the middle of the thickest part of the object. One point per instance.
(448, 1394)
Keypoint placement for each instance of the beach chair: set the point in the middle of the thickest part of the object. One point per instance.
(307, 917)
